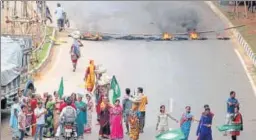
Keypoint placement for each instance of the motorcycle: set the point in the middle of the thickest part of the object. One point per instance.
(69, 131)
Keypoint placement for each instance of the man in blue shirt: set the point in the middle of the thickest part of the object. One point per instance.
(232, 102)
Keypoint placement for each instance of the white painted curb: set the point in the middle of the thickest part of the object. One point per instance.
(47, 56)
(235, 32)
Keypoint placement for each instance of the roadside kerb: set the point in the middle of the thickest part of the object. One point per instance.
(235, 32)
(46, 59)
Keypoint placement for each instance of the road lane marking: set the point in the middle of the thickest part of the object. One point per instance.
(170, 105)
(246, 71)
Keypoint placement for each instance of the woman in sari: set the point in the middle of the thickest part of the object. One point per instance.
(73, 97)
(14, 118)
(204, 130)
(186, 121)
(116, 127)
(134, 122)
(75, 50)
(33, 104)
(239, 121)
(88, 127)
(90, 76)
(162, 120)
(49, 125)
(104, 117)
(56, 111)
(81, 119)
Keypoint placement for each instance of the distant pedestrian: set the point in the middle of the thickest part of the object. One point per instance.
(232, 102)
(40, 120)
(162, 120)
(127, 106)
(48, 14)
(75, 49)
(22, 121)
(186, 121)
(15, 109)
(238, 119)
(142, 108)
(204, 130)
(60, 17)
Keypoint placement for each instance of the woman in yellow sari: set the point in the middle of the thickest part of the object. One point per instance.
(90, 77)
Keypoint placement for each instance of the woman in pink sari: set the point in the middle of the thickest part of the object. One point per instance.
(116, 127)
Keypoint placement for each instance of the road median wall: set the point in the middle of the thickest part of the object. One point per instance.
(46, 59)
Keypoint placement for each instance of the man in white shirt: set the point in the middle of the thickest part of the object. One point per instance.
(40, 120)
(59, 12)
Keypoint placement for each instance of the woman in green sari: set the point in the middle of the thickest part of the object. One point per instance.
(81, 119)
(49, 125)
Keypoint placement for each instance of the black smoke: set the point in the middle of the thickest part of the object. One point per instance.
(173, 16)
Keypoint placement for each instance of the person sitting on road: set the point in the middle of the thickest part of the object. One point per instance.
(67, 115)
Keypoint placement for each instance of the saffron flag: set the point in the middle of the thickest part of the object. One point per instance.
(115, 88)
(61, 88)
(232, 127)
(175, 134)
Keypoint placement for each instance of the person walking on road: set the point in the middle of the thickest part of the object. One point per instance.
(204, 130)
(142, 108)
(15, 109)
(75, 49)
(186, 121)
(127, 106)
(232, 102)
(60, 17)
(162, 120)
(238, 119)
(22, 121)
(90, 77)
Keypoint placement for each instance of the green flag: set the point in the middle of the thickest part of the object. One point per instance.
(115, 88)
(175, 134)
(232, 127)
(61, 88)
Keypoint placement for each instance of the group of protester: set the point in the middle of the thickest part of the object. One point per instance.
(39, 116)
(204, 131)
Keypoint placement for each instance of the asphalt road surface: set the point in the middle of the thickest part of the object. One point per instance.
(189, 72)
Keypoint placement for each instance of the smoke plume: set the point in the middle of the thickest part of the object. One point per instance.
(173, 16)
(168, 16)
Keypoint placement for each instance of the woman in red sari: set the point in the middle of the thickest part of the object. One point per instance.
(237, 120)
(33, 105)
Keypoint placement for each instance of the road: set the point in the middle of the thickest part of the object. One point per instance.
(190, 72)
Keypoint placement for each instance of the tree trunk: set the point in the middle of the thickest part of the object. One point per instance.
(245, 9)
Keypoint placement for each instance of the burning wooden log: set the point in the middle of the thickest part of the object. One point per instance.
(89, 36)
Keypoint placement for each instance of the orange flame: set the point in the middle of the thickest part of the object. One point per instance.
(194, 35)
(98, 37)
(167, 36)
(88, 34)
